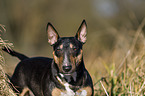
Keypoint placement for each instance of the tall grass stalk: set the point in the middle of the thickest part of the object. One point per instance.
(104, 88)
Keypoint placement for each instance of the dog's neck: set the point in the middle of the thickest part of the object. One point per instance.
(70, 77)
(73, 78)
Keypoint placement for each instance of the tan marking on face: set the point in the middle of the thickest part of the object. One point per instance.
(55, 58)
(87, 89)
(71, 45)
(58, 61)
(56, 92)
(79, 57)
(76, 60)
(61, 46)
(72, 59)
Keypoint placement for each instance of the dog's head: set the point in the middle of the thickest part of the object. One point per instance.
(67, 51)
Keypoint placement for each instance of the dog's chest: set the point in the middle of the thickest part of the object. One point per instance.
(70, 92)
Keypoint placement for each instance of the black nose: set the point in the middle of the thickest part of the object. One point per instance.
(67, 68)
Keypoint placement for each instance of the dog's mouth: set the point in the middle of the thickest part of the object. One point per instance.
(69, 76)
(66, 73)
(70, 73)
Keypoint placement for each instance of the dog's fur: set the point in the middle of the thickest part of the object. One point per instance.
(64, 75)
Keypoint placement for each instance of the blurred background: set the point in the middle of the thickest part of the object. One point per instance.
(112, 25)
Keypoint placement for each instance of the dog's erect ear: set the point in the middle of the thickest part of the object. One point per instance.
(82, 32)
(52, 34)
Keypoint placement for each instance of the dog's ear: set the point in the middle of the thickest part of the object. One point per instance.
(82, 32)
(52, 34)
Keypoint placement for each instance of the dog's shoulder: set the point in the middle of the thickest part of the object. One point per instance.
(34, 65)
(37, 61)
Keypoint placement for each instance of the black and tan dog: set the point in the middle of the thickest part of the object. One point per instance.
(64, 75)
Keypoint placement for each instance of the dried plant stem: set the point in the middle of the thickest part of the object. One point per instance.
(104, 88)
(5, 89)
(143, 86)
(138, 32)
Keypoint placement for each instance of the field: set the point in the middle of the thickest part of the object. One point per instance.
(124, 76)
(114, 53)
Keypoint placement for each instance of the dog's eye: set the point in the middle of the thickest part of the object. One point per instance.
(74, 48)
(58, 50)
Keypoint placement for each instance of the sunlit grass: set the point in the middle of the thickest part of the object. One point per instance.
(128, 77)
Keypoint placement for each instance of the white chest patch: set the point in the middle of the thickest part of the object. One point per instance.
(70, 92)
(83, 93)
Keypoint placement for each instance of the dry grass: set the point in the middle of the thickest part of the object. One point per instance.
(5, 89)
(124, 79)
(128, 77)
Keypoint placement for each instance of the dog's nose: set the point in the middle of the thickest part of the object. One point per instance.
(67, 68)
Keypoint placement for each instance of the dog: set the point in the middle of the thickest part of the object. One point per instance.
(64, 75)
